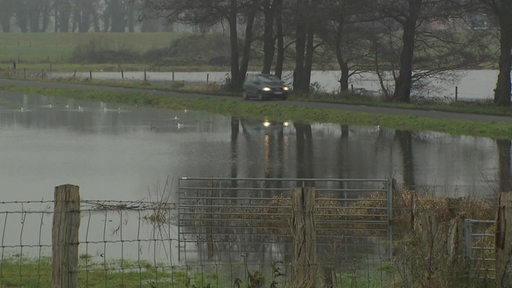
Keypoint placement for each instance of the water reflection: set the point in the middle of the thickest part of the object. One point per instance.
(121, 153)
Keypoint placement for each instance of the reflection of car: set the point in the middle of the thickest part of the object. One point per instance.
(264, 86)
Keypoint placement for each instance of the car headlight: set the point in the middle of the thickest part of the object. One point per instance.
(266, 89)
(285, 88)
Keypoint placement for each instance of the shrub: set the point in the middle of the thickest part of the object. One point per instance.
(99, 51)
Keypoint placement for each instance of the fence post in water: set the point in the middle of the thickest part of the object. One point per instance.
(304, 238)
(66, 221)
(90, 75)
(456, 93)
(504, 241)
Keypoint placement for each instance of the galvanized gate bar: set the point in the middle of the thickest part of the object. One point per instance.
(237, 213)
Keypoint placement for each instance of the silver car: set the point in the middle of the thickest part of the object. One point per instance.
(264, 86)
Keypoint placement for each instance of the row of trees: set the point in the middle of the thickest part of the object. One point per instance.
(402, 40)
(73, 16)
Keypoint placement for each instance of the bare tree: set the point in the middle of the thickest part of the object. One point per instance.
(345, 29)
(62, 12)
(115, 16)
(274, 35)
(85, 14)
(268, 35)
(306, 19)
(407, 14)
(212, 12)
(501, 10)
(7, 8)
(421, 48)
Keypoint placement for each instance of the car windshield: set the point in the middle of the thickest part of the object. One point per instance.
(267, 77)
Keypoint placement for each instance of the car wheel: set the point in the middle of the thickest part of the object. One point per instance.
(244, 95)
(260, 96)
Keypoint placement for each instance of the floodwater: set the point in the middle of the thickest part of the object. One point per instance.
(458, 85)
(130, 153)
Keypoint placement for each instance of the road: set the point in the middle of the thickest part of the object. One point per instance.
(344, 107)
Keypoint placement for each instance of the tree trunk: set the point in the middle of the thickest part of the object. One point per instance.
(404, 81)
(34, 17)
(280, 38)
(63, 12)
(502, 91)
(131, 16)
(6, 12)
(236, 83)
(304, 48)
(117, 15)
(268, 37)
(247, 47)
(342, 64)
(308, 61)
(300, 46)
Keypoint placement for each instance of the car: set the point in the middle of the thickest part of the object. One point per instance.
(264, 86)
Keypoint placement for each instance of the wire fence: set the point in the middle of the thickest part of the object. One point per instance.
(322, 81)
(227, 233)
(119, 243)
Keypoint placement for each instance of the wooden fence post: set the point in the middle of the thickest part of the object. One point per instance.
(304, 238)
(66, 222)
(504, 241)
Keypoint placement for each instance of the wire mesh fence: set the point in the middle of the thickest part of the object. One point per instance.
(119, 243)
(222, 233)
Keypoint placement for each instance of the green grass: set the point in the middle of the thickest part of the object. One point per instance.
(56, 48)
(18, 272)
(285, 111)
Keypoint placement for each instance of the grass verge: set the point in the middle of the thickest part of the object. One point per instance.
(285, 111)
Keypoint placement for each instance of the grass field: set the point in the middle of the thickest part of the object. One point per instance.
(58, 47)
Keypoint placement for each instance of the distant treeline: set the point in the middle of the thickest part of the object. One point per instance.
(402, 41)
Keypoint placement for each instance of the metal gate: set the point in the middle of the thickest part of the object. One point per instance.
(480, 247)
(223, 218)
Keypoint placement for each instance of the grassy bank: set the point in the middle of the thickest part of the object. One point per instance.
(285, 111)
(57, 48)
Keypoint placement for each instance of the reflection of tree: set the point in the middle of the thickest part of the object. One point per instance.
(273, 147)
(304, 150)
(343, 144)
(504, 165)
(405, 140)
(234, 151)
